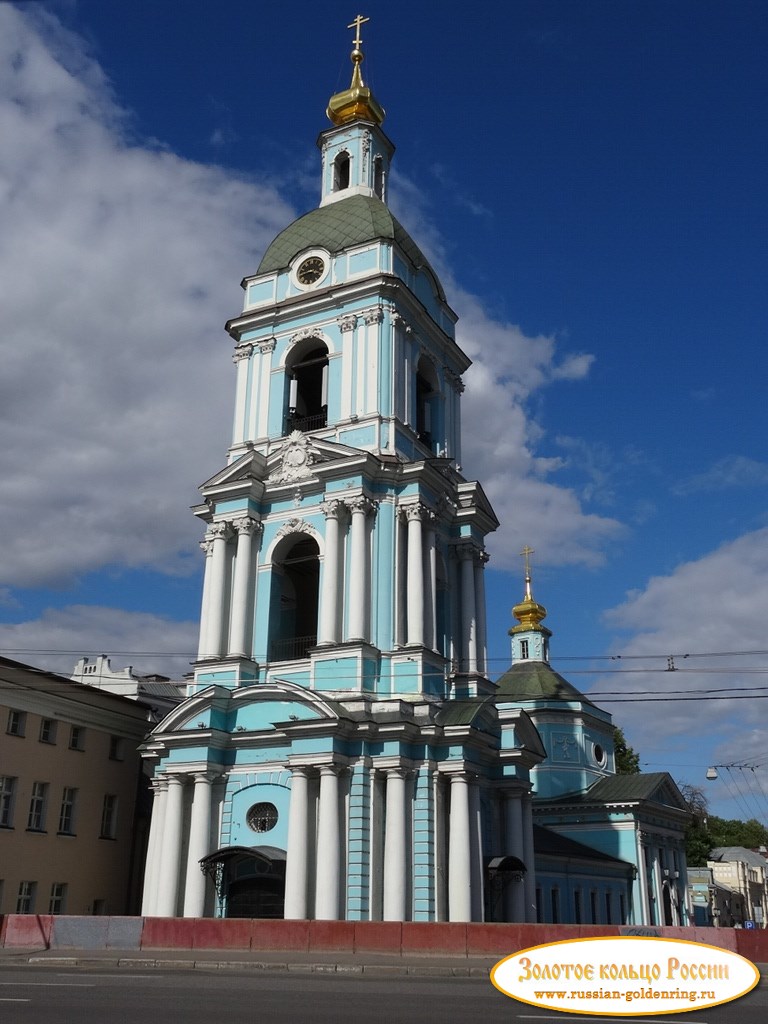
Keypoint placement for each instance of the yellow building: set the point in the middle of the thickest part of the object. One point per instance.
(71, 841)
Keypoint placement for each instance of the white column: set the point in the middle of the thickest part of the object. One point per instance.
(330, 604)
(514, 896)
(207, 547)
(415, 581)
(170, 863)
(154, 847)
(258, 419)
(395, 867)
(199, 846)
(482, 632)
(459, 863)
(219, 534)
(243, 587)
(328, 860)
(476, 852)
(359, 569)
(430, 583)
(643, 917)
(296, 876)
(468, 618)
(529, 860)
(241, 359)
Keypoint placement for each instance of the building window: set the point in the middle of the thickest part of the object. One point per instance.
(116, 748)
(593, 907)
(77, 738)
(37, 807)
(58, 899)
(295, 598)
(608, 909)
(577, 906)
(307, 376)
(378, 177)
(555, 905)
(25, 901)
(99, 908)
(109, 817)
(341, 172)
(427, 396)
(17, 723)
(7, 792)
(67, 815)
(523, 648)
(622, 908)
(47, 730)
(262, 817)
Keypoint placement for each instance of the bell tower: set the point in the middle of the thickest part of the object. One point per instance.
(344, 549)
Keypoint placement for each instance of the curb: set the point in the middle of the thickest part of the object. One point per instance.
(371, 970)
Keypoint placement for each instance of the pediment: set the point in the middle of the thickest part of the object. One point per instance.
(298, 456)
(251, 466)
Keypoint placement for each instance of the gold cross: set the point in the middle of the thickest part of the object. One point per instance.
(526, 553)
(359, 20)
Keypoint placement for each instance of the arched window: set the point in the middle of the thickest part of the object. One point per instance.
(307, 380)
(378, 177)
(341, 172)
(294, 598)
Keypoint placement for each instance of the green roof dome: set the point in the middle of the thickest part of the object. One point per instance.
(338, 226)
(535, 680)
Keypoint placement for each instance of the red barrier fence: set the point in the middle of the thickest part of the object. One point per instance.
(409, 938)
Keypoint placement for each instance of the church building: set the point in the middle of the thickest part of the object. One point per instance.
(342, 752)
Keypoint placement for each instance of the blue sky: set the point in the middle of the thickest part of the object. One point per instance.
(589, 179)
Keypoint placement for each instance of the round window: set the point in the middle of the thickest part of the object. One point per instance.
(599, 754)
(262, 817)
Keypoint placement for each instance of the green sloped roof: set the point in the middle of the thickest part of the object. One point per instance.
(461, 712)
(338, 226)
(535, 680)
(658, 787)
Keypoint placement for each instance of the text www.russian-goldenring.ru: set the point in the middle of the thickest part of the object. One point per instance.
(684, 995)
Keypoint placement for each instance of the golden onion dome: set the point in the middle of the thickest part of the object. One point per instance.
(529, 612)
(357, 103)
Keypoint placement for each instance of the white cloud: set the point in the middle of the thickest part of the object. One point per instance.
(60, 636)
(734, 471)
(716, 606)
(119, 264)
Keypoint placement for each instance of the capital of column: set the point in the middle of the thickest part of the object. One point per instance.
(206, 546)
(362, 504)
(265, 347)
(219, 531)
(242, 352)
(466, 550)
(347, 323)
(416, 511)
(205, 777)
(454, 380)
(159, 785)
(248, 526)
(400, 321)
(374, 316)
(334, 508)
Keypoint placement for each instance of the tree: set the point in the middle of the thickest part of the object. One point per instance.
(627, 759)
(698, 838)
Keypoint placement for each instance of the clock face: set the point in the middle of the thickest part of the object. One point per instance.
(311, 270)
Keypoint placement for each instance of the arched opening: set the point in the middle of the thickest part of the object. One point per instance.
(341, 172)
(250, 882)
(427, 394)
(307, 379)
(378, 177)
(295, 593)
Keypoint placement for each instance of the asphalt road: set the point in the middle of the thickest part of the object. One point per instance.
(47, 995)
